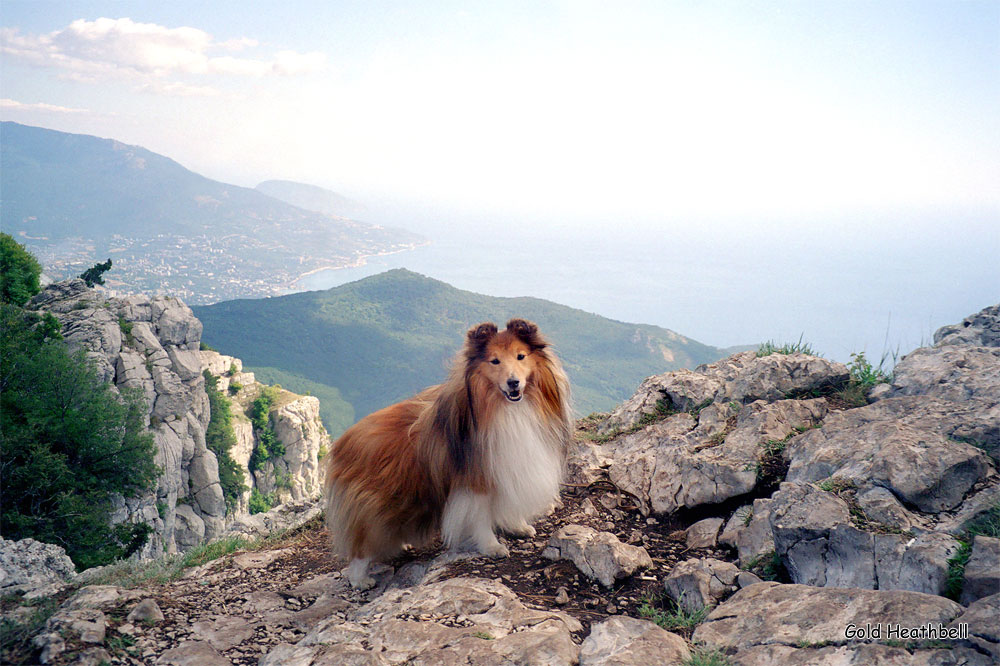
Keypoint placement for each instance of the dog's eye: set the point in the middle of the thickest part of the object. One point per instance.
(520, 357)
(495, 361)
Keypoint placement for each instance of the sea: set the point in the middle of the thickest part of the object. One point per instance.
(874, 282)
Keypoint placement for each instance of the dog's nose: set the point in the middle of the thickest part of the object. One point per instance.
(513, 383)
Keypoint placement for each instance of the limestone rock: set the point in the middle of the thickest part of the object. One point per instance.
(283, 517)
(457, 621)
(86, 625)
(679, 462)
(979, 330)
(223, 632)
(146, 611)
(596, 554)
(189, 528)
(151, 345)
(624, 641)
(694, 584)
(297, 425)
(192, 653)
(950, 372)
(734, 525)
(34, 569)
(896, 444)
(819, 545)
(792, 615)
(981, 617)
(742, 378)
(982, 572)
(756, 539)
(704, 533)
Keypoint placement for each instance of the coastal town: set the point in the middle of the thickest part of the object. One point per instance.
(200, 269)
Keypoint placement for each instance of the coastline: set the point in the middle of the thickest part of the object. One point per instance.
(362, 260)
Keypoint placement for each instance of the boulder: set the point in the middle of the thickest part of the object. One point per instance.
(681, 462)
(624, 641)
(772, 623)
(695, 584)
(981, 619)
(741, 378)
(982, 572)
(598, 555)
(819, 544)
(704, 533)
(34, 569)
(951, 372)
(895, 446)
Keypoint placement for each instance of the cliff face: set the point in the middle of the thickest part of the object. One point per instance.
(296, 422)
(153, 344)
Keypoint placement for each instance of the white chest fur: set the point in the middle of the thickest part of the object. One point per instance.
(523, 458)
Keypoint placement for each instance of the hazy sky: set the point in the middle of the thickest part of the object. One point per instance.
(557, 108)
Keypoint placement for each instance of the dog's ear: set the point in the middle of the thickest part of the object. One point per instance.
(479, 336)
(526, 332)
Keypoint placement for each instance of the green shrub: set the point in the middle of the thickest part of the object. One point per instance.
(268, 446)
(220, 440)
(19, 272)
(261, 502)
(94, 274)
(235, 387)
(68, 444)
(863, 378)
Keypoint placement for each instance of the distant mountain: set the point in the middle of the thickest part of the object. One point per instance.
(311, 197)
(76, 199)
(378, 340)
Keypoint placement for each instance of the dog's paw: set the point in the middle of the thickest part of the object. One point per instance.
(362, 583)
(496, 549)
(524, 530)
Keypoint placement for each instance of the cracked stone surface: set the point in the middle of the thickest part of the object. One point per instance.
(820, 545)
(807, 625)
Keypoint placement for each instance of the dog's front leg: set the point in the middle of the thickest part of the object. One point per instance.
(357, 574)
(467, 516)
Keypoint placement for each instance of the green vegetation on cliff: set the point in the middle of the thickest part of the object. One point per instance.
(68, 445)
(381, 339)
(220, 439)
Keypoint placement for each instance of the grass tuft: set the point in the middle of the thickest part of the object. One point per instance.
(704, 656)
(672, 615)
(800, 347)
(985, 524)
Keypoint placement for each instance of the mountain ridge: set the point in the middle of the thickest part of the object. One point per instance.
(75, 199)
(389, 335)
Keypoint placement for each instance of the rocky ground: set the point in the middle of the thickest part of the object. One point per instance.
(759, 510)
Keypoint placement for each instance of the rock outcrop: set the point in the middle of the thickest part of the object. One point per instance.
(34, 569)
(874, 527)
(293, 476)
(152, 345)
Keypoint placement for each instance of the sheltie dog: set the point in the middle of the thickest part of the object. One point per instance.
(480, 452)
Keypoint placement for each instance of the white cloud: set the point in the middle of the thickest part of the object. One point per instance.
(14, 105)
(178, 89)
(107, 48)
